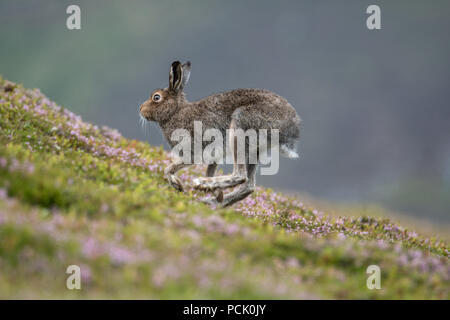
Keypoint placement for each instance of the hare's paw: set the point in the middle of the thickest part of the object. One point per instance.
(175, 182)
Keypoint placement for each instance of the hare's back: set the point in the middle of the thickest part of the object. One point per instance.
(234, 99)
(263, 109)
(250, 109)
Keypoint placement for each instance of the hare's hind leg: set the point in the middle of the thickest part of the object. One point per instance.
(222, 182)
(244, 190)
(171, 169)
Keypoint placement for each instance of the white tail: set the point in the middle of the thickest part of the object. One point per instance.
(288, 152)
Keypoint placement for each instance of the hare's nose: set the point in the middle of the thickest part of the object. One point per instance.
(140, 108)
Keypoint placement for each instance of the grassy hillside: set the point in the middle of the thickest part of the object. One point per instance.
(74, 193)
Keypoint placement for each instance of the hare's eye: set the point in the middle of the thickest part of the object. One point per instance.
(156, 97)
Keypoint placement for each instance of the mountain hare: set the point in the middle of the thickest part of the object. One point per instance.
(237, 109)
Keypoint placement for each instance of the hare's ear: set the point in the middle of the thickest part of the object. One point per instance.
(175, 76)
(186, 74)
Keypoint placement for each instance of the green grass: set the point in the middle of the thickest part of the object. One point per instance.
(73, 193)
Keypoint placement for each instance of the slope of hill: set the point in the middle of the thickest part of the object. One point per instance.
(72, 193)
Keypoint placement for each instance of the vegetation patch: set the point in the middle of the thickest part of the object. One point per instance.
(72, 193)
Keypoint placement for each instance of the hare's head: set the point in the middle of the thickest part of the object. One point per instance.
(163, 103)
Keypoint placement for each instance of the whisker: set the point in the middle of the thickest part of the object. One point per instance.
(142, 120)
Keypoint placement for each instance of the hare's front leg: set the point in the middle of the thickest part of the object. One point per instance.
(169, 173)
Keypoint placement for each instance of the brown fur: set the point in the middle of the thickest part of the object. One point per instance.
(265, 110)
(249, 108)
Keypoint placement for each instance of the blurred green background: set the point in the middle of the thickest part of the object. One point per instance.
(375, 104)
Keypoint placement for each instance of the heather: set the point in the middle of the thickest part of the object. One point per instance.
(75, 193)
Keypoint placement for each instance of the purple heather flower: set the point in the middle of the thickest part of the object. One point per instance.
(3, 193)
